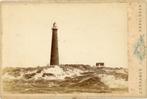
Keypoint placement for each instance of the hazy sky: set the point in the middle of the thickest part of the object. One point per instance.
(87, 33)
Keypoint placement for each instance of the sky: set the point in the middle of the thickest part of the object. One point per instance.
(87, 33)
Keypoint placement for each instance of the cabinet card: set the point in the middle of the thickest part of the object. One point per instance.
(73, 49)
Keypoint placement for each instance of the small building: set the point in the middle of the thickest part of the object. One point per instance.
(100, 64)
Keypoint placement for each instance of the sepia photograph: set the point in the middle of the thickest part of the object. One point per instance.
(64, 48)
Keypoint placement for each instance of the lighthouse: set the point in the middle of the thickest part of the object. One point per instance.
(54, 58)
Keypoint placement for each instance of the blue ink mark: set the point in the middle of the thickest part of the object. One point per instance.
(139, 50)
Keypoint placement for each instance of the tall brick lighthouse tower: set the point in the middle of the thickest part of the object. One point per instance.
(54, 59)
